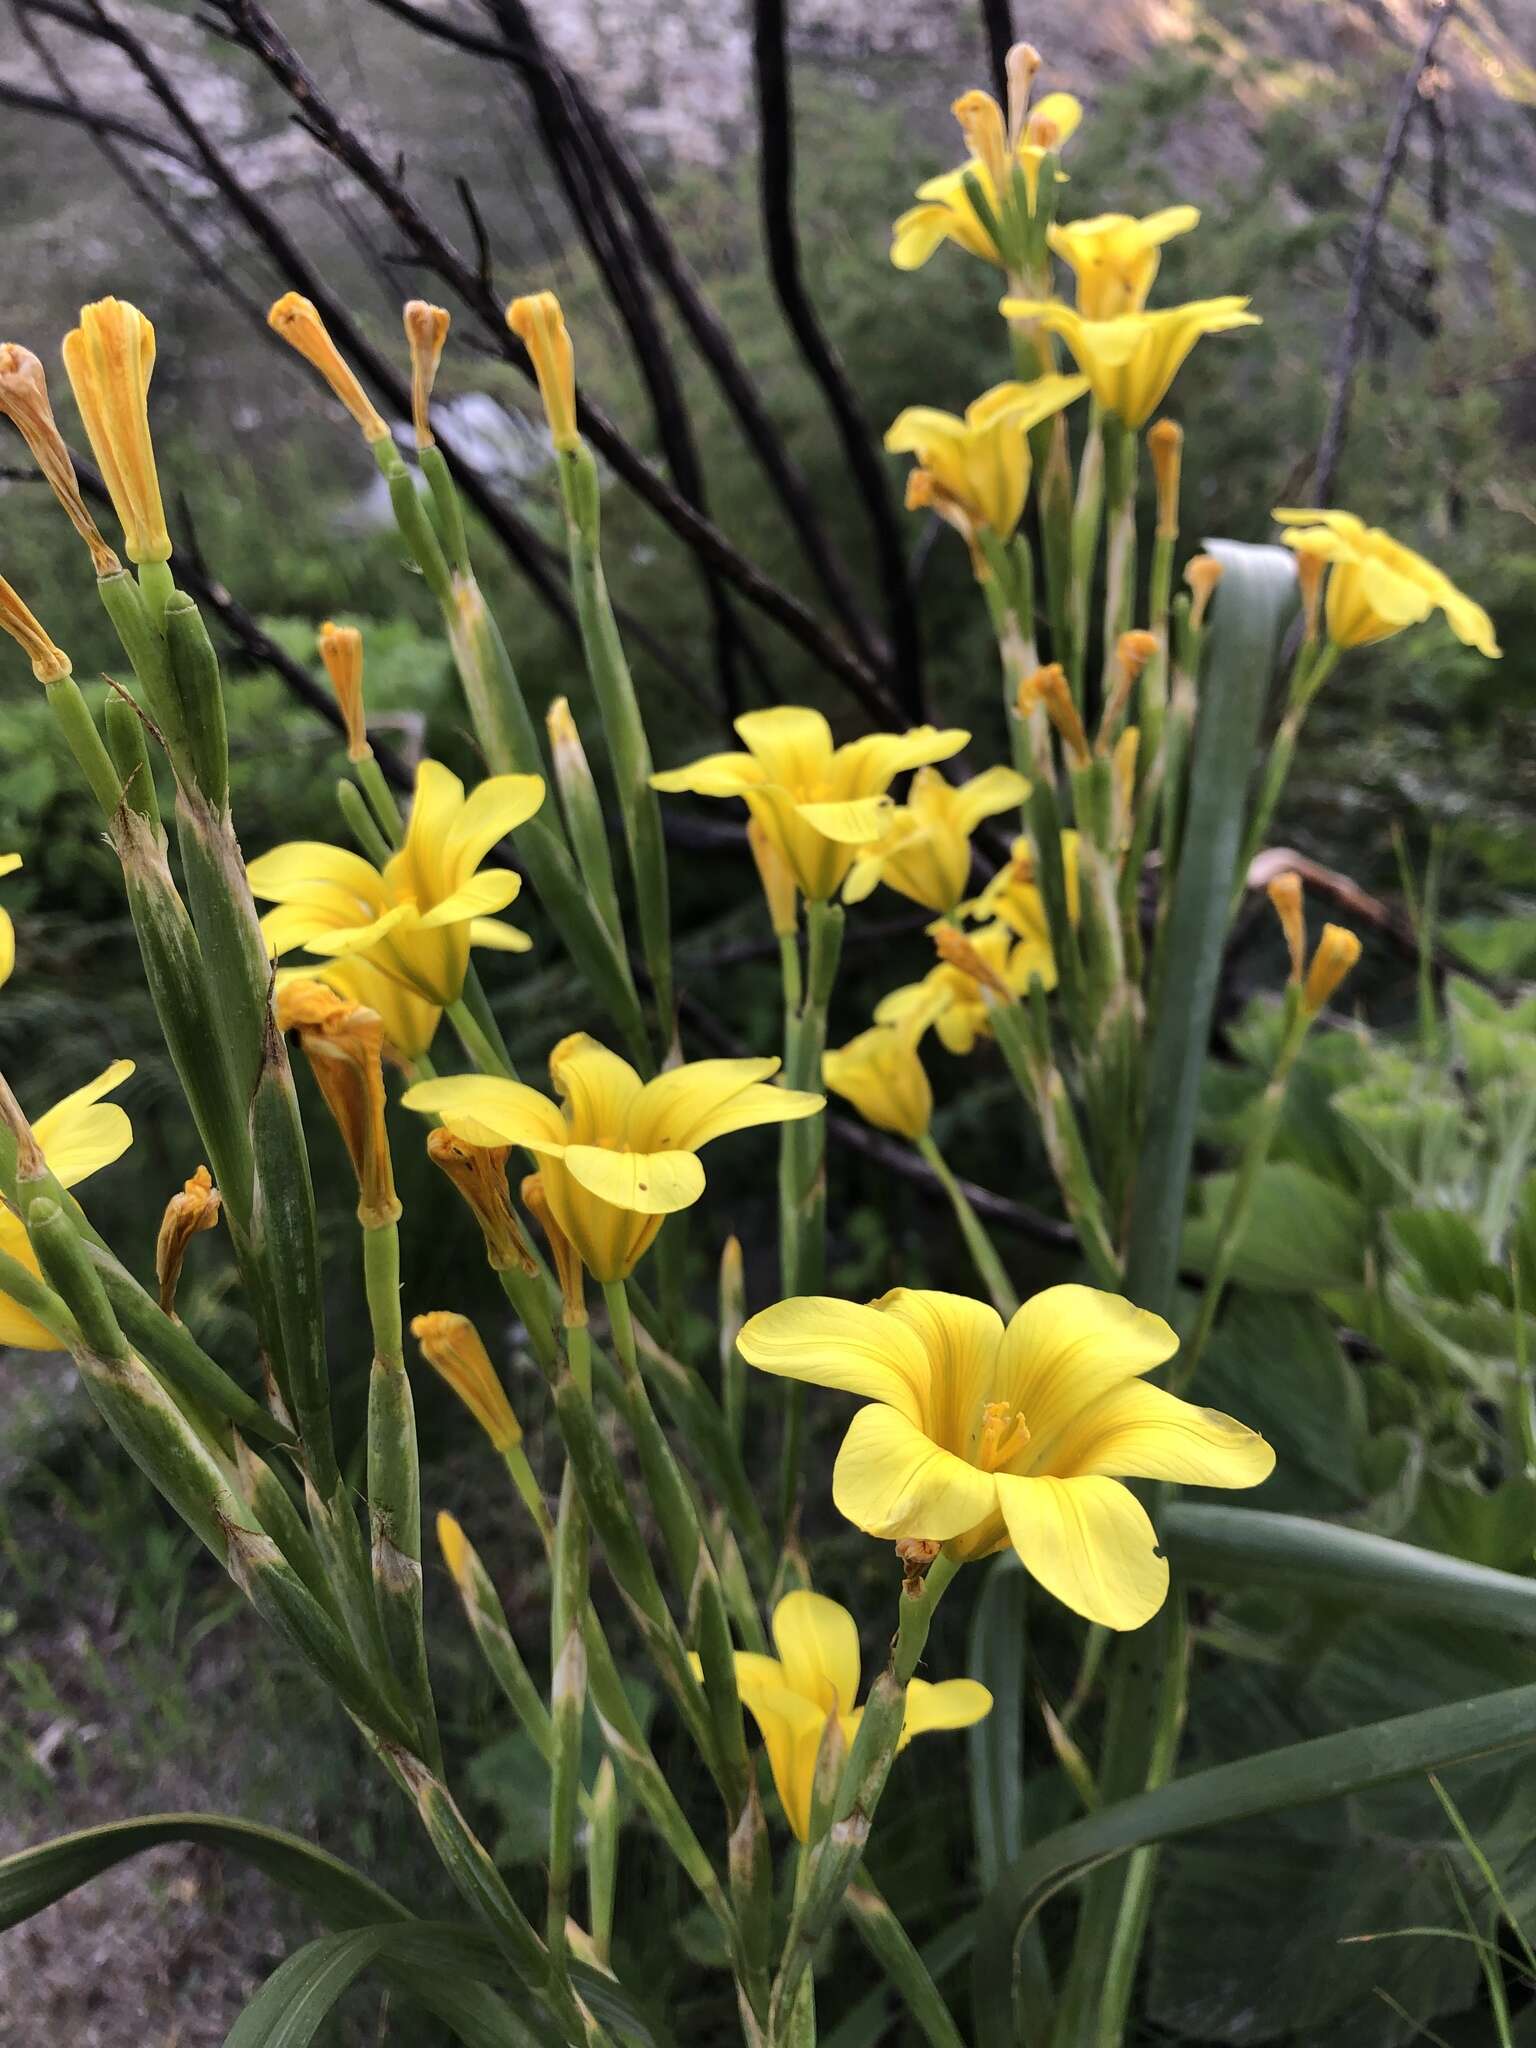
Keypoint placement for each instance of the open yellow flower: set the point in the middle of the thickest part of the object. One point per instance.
(979, 466)
(817, 803)
(925, 851)
(616, 1155)
(977, 1437)
(78, 1136)
(954, 1002)
(109, 358)
(1376, 586)
(1130, 361)
(417, 920)
(881, 1073)
(944, 212)
(9, 863)
(814, 1678)
(1014, 896)
(1114, 257)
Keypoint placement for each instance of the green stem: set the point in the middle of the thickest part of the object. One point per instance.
(477, 1042)
(984, 1254)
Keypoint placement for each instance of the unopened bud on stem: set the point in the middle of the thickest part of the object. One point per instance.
(426, 330)
(1165, 444)
(1202, 573)
(109, 359)
(344, 1044)
(453, 1347)
(50, 664)
(296, 320)
(1284, 893)
(1048, 687)
(567, 1259)
(539, 325)
(341, 649)
(1337, 952)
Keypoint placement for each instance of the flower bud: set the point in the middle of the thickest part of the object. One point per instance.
(455, 1546)
(341, 649)
(1123, 766)
(344, 1044)
(1310, 571)
(426, 330)
(565, 1255)
(296, 320)
(50, 664)
(1337, 952)
(109, 359)
(1022, 65)
(1202, 573)
(453, 1348)
(1284, 893)
(777, 878)
(24, 401)
(986, 137)
(479, 1172)
(1165, 444)
(1048, 687)
(956, 950)
(539, 325)
(195, 1208)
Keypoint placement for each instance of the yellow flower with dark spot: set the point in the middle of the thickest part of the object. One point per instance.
(1376, 586)
(1130, 361)
(925, 851)
(881, 1073)
(817, 803)
(109, 358)
(815, 1678)
(977, 1437)
(1114, 257)
(616, 1155)
(78, 1137)
(416, 921)
(978, 467)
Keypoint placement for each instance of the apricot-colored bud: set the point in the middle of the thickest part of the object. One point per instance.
(539, 325)
(986, 134)
(195, 1208)
(1165, 444)
(1123, 767)
(567, 1259)
(109, 359)
(1285, 894)
(1048, 687)
(1337, 952)
(456, 1549)
(1202, 573)
(479, 1172)
(956, 950)
(50, 664)
(344, 1044)
(24, 401)
(453, 1348)
(296, 320)
(341, 649)
(426, 330)
(1310, 571)
(777, 878)
(1021, 65)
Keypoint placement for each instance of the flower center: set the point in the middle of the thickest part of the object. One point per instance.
(1003, 1436)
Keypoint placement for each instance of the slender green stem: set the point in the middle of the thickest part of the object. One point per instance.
(477, 1042)
(984, 1253)
(381, 798)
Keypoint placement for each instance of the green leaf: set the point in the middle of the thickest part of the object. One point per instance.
(1327, 1767)
(288, 2010)
(996, 1652)
(1303, 1234)
(1443, 1251)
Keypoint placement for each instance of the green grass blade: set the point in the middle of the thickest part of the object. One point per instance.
(294, 2003)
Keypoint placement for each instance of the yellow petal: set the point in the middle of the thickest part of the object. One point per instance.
(598, 1089)
(1089, 1542)
(952, 1703)
(792, 743)
(986, 795)
(301, 863)
(714, 775)
(853, 823)
(7, 946)
(818, 1645)
(496, 807)
(1136, 1431)
(962, 1339)
(791, 1729)
(643, 1183)
(480, 895)
(82, 1134)
(689, 1105)
(917, 234)
(839, 1344)
(891, 1480)
(868, 766)
(9, 863)
(499, 936)
(335, 941)
(18, 1327)
(510, 1111)
(1068, 1345)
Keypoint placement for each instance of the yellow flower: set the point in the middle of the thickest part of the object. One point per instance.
(945, 212)
(539, 325)
(979, 466)
(814, 1678)
(344, 1043)
(954, 1001)
(298, 322)
(9, 863)
(417, 920)
(616, 1155)
(109, 358)
(1376, 586)
(1115, 257)
(925, 851)
(977, 1437)
(78, 1136)
(817, 803)
(1130, 361)
(1013, 895)
(881, 1074)
(453, 1347)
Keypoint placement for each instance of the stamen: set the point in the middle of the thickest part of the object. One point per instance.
(1003, 1435)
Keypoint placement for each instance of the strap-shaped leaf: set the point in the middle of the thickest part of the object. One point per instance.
(1297, 1775)
(288, 2010)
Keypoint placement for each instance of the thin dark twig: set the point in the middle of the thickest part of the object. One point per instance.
(27, 101)
(997, 22)
(440, 255)
(479, 233)
(1352, 337)
(776, 185)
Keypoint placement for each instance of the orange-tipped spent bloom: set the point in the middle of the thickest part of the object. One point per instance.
(195, 1208)
(426, 331)
(453, 1347)
(109, 359)
(479, 1172)
(341, 649)
(344, 1044)
(24, 401)
(50, 664)
(539, 325)
(1284, 893)
(299, 324)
